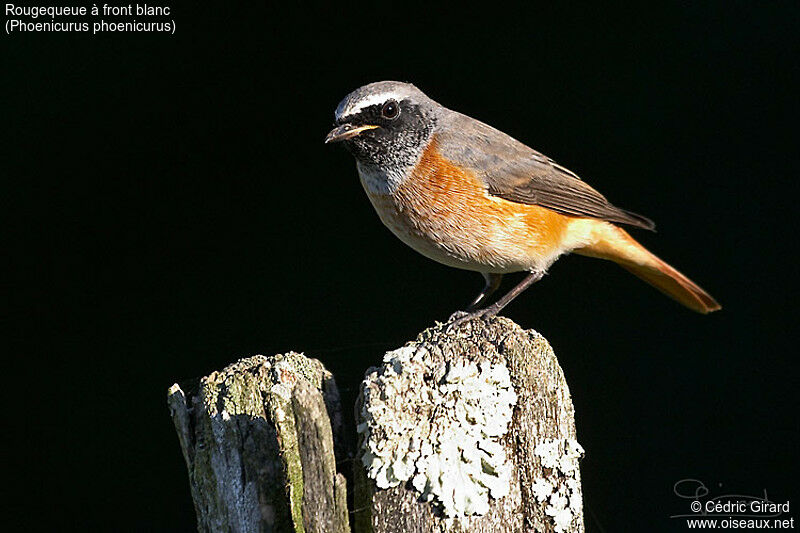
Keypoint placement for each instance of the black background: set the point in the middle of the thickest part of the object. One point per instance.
(171, 207)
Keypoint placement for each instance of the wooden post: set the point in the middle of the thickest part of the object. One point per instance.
(258, 442)
(463, 429)
(477, 421)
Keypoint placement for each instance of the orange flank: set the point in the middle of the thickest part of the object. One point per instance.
(445, 213)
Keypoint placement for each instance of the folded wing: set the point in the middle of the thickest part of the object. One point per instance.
(520, 174)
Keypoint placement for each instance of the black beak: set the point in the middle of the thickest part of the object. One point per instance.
(346, 131)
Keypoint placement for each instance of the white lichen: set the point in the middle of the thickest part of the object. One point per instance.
(559, 487)
(440, 426)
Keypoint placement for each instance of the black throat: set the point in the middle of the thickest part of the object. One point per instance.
(395, 143)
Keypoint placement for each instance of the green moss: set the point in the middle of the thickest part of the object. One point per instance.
(282, 416)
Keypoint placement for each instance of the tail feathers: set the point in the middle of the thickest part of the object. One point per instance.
(616, 245)
(675, 285)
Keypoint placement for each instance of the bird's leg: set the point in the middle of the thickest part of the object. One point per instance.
(529, 280)
(492, 283)
(495, 308)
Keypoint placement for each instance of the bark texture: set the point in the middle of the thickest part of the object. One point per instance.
(544, 492)
(465, 429)
(258, 440)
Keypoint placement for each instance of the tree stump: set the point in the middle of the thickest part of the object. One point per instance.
(258, 440)
(470, 429)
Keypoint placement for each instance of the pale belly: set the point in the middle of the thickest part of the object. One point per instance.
(461, 234)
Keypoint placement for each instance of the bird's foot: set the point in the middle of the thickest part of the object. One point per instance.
(460, 317)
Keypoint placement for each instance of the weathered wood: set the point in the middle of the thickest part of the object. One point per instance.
(468, 428)
(258, 443)
(421, 392)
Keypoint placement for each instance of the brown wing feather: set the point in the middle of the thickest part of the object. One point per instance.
(520, 174)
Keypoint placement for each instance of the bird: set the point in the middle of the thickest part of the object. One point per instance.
(469, 196)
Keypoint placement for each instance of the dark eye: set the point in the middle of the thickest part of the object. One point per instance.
(390, 110)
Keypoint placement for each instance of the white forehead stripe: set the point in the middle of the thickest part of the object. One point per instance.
(347, 109)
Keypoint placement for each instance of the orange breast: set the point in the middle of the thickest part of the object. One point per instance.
(445, 213)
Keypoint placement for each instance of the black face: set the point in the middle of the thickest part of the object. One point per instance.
(403, 130)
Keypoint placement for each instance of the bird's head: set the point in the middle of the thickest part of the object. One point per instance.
(385, 124)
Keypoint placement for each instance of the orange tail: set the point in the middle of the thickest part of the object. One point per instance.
(615, 244)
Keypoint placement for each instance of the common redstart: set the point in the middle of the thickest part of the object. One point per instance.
(469, 196)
